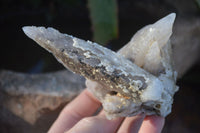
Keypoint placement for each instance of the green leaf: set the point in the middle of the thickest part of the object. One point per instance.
(103, 15)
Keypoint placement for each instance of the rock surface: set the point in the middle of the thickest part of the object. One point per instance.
(33, 101)
(124, 88)
(185, 43)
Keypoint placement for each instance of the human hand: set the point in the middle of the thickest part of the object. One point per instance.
(77, 117)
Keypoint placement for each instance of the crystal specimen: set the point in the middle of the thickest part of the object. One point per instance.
(139, 78)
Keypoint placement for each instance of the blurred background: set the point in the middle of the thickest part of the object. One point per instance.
(111, 23)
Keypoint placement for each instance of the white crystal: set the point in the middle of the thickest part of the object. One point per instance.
(144, 82)
(149, 49)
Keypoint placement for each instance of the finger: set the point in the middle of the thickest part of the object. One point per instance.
(96, 124)
(82, 106)
(132, 124)
(102, 113)
(152, 124)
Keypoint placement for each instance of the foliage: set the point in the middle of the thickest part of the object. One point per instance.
(103, 15)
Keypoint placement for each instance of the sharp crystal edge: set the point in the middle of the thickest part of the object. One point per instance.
(137, 79)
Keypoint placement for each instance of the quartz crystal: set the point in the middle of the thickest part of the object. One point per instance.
(139, 78)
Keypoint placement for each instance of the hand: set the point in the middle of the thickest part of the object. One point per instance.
(77, 117)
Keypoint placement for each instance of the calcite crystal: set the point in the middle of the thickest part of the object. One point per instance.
(139, 78)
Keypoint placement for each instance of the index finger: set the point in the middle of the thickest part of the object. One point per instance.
(82, 106)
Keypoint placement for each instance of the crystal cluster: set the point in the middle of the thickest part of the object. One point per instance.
(138, 78)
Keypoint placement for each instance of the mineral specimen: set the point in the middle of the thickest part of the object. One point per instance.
(139, 78)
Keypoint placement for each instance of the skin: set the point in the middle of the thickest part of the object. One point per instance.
(77, 117)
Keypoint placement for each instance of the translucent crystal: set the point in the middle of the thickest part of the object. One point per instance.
(139, 78)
